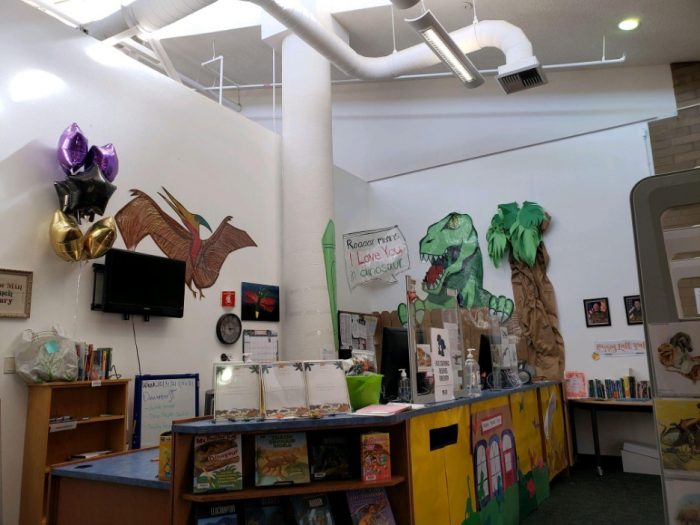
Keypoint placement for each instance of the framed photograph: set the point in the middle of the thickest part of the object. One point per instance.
(633, 309)
(15, 293)
(597, 312)
(261, 302)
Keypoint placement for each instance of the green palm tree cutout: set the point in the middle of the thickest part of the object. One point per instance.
(518, 230)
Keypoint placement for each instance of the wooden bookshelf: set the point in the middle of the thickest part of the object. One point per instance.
(99, 410)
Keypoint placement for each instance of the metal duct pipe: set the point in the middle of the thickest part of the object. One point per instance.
(150, 15)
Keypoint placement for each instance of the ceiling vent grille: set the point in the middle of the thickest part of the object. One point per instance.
(527, 78)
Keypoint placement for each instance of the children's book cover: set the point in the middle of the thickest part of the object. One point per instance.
(675, 365)
(265, 511)
(217, 463)
(312, 509)
(683, 501)
(678, 423)
(281, 459)
(216, 514)
(375, 456)
(370, 507)
(329, 457)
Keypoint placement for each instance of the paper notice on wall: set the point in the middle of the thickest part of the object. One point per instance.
(375, 254)
(697, 299)
(624, 348)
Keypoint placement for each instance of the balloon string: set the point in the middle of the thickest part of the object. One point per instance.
(77, 299)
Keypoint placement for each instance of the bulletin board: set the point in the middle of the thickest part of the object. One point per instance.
(356, 331)
(160, 399)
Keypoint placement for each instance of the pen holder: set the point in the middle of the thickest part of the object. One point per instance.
(364, 390)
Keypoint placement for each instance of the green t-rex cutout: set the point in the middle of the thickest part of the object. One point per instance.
(452, 247)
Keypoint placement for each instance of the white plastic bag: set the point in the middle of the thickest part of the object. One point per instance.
(46, 356)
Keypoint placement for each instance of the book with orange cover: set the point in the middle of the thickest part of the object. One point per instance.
(375, 456)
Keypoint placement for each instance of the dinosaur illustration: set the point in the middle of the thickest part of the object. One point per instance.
(142, 217)
(451, 245)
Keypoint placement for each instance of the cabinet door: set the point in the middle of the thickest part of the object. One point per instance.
(554, 431)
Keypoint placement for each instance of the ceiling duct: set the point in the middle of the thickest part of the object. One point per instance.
(149, 15)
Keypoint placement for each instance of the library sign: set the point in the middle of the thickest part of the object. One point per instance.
(375, 254)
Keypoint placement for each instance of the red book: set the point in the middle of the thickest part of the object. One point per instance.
(376, 457)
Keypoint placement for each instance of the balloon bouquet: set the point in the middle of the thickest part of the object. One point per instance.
(83, 194)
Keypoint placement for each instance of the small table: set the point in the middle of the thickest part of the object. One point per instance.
(609, 405)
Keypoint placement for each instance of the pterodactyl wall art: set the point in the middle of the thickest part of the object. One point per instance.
(142, 217)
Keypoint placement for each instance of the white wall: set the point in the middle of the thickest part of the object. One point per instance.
(213, 160)
(382, 129)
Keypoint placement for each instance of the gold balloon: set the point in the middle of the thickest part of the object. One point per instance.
(100, 238)
(66, 237)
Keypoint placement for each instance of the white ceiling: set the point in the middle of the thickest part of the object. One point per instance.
(561, 31)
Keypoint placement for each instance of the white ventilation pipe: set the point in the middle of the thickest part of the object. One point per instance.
(149, 15)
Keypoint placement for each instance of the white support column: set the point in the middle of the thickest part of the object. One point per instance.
(307, 195)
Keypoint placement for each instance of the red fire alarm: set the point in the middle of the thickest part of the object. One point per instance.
(228, 299)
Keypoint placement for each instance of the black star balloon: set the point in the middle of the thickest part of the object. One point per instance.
(68, 195)
(95, 192)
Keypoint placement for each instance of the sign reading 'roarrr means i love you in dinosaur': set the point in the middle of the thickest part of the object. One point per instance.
(375, 254)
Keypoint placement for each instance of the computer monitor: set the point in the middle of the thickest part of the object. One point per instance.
(394, 357)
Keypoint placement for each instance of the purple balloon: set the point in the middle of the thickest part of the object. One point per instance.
(72, 149)
(105, 158)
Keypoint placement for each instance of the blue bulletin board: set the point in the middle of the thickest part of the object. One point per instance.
(160, 399)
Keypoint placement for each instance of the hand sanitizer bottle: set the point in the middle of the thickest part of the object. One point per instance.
(472, 375)
(404, 387)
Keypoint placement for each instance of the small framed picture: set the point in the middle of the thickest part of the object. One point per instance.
(15, 293)
(633, 309)
(597, 312)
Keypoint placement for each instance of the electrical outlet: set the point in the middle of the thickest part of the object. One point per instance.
(9, 365)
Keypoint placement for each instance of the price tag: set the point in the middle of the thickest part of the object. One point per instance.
(96, 383)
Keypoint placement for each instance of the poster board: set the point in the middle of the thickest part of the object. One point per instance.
(356, 331)
(160, 399)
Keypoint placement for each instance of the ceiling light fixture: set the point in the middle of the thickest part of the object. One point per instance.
(629, 24)
(442, 44)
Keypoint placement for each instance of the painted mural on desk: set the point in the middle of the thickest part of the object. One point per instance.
(142, 217)
(495, 462)
(552, 421)
(451, 246)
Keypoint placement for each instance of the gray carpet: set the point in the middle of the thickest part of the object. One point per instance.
(585, 498)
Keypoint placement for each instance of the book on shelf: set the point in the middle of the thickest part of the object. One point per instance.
(370, 506)
(217, 463)
(375, 457)
(281, 459)
(623, 388)
(264, 511)
(93, 364)
(312, 509)
(216, 514)
(330, 457)
(575, 384)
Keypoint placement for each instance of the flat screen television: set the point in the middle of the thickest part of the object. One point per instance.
(140, 284)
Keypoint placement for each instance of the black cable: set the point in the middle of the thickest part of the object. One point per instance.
(138, 358)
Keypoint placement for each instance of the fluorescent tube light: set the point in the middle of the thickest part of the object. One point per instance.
(442, 44)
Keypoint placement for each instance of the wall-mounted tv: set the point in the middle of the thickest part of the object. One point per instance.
(135, 283)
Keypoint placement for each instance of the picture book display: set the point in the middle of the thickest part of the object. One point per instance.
(217, 463)
(330, 457)
(312, 509)
(284, 390)
(678, 427)
(675, 364)
(237, 391)
(375, 456)
(326, 387)
(576, 386)
(683, 501)
(216, 514)
(281, 459)
(264, 511)
(370, 506)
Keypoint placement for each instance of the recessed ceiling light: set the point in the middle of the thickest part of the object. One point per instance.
(628, 24)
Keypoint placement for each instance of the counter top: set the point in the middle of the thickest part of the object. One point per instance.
(133, 468)
(208, 426)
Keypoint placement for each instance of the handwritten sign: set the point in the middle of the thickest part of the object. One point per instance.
(375, 254)
(624, 348)
(158, 401)
(15, 293)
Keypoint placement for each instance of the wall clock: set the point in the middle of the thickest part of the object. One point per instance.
(228, 328)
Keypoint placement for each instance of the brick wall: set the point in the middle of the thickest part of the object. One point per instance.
(675, 142)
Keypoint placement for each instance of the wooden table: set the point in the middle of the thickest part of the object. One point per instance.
(604, 405)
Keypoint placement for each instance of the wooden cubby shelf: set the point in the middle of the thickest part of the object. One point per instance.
(292, 490)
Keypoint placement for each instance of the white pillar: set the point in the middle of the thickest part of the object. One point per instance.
(307, 196)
